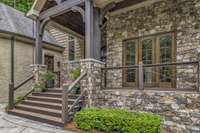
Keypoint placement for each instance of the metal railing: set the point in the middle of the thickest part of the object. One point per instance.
(65, 108)
(13, 88)
(167, 76)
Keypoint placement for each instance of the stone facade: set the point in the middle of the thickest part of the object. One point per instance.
(180, 17)
(180, 111)
(92, 82)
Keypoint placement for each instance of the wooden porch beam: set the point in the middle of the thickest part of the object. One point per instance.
(106, 10)
(60, 9)
(80, 10)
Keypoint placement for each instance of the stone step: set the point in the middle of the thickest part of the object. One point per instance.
(38, 117)
(41, 110)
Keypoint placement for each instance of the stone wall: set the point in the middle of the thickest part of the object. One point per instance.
(180, 110)
(181, 17)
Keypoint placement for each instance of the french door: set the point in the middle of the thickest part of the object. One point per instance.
(150, 50)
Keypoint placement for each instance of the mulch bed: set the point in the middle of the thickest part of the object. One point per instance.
(71, 127)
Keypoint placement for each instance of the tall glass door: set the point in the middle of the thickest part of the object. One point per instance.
(130, 59)
(147, 46)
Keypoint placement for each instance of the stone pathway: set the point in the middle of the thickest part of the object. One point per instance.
(13, 124)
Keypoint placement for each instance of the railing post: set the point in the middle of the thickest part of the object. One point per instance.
(198, 75)
(141, 82)
(64, 105)
(12, 79)
(11, 96)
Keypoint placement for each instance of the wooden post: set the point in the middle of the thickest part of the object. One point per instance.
(141, 78)
(198, 72)
(89, 29)
(64, 105)
(12, 79)
(97, 34)
(38, 44)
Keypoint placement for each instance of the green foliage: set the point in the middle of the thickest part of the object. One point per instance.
(74, 74)
(17, 100)
(117, 120)
(48, 76)
(39, 85)
(21, 5)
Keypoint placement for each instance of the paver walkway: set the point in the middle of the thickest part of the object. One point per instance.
(13, 124)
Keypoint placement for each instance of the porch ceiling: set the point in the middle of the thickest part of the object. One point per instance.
(73, 20)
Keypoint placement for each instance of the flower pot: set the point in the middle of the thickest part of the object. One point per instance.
(73, 91)
(39, 90)
(49, 83)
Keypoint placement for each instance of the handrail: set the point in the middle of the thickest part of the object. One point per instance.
(77, 100)
(12, 90)
(140, 69)
(152, 65)
(23, 82)
(76, 82)
(65, 97)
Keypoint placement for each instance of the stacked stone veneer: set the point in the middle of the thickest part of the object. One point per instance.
(92, 82)
(180, 111)
(181, 17)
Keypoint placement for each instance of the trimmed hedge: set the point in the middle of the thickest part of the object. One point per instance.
(109, 120)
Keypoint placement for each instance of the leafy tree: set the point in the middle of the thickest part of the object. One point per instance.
(21, 5)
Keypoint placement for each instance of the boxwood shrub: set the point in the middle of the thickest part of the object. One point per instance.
(117, 120)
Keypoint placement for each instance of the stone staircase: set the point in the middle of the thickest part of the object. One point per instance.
(45, 107)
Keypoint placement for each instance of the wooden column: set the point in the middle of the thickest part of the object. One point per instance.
(38, 44)
(97, 34)
(12, 75)
(89, 29)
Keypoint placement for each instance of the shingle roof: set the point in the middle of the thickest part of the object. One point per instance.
(14, 21)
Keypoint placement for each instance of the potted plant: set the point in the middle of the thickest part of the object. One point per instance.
(49, 78)
(73, 75)
(39, 87)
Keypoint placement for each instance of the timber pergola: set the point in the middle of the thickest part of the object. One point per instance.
(85, 17)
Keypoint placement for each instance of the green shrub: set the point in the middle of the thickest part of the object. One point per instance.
(117, 120)
(17, 100)
(48, 76)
